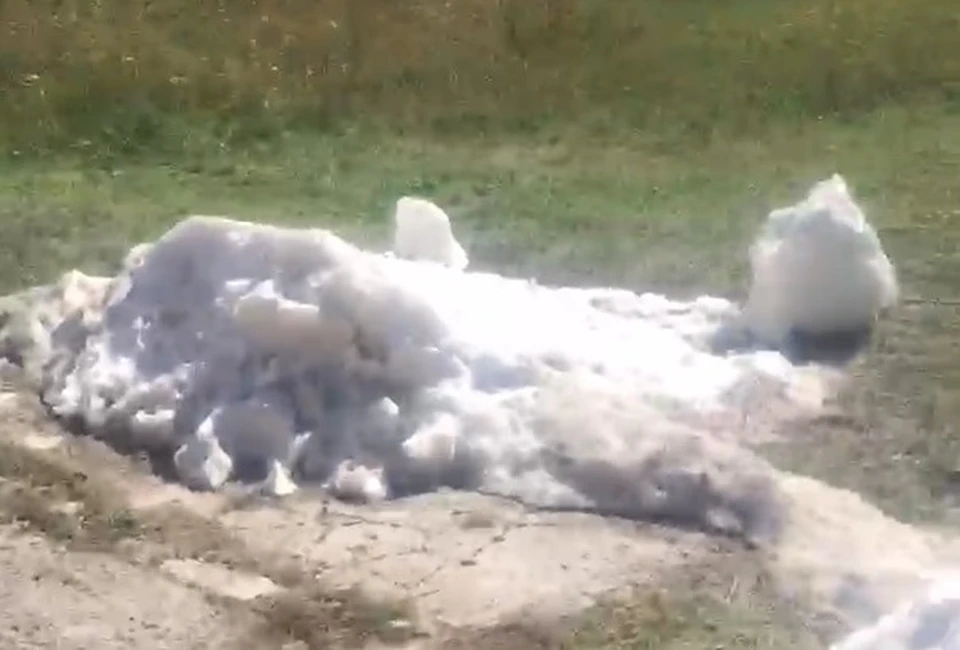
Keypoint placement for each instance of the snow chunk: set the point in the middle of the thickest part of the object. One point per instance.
(422, 232)
(202, 463)
(135, 256)
(930, 622)
(354, 482)
(818, 268)
(279, 483)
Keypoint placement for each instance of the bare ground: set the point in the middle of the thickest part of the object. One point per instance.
(53, 598)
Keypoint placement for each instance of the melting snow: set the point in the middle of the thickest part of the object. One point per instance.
(293, 355)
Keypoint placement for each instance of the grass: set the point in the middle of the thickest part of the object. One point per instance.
(682, 618)
(122, 76)
(587, 141)
(51, 495)
(731, 605)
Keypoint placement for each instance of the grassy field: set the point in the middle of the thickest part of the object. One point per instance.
(119, 76)
(634, 143)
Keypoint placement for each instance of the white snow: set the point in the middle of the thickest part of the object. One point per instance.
(294, 355)
(297, 356)
(422, 231)
(818, 267)
(235, 342)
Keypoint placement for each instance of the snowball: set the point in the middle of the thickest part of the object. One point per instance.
(930, 622)
(818, 268)
(422, 232)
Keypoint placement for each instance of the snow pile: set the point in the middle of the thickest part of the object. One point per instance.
(256, 352)
(818, 267)
(930, 622)
(243, 345)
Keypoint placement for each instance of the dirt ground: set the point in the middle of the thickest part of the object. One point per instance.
(53, 598)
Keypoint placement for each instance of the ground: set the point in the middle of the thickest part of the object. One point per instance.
(648, 165)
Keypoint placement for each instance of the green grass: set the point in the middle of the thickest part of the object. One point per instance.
(121, 76)
(559, 204)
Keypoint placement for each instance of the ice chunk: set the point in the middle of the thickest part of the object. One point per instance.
(356, 482)
(422, 231)
(279, 483)
(931, 622)
(202, 464)
(818, 268)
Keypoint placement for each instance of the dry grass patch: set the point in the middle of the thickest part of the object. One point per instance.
(53, 496)
(321, 620)
(119, 76)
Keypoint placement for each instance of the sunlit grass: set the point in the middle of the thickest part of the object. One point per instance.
(129, 75)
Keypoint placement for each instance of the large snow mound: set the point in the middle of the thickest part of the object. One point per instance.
(240, 344)
(286, 355)
(818, 267)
